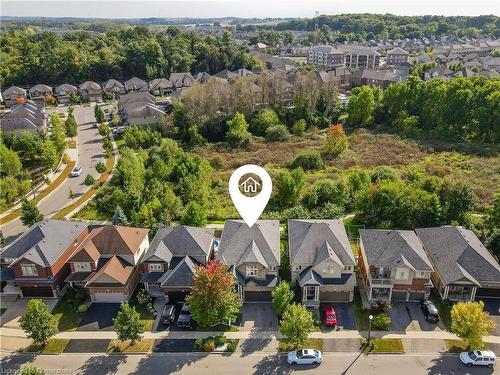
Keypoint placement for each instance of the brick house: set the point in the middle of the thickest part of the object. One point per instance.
(35, 264)
(168, 266)
(394, 265)
(254, 256)
(106, 262)
(321, 260)
(464, 268)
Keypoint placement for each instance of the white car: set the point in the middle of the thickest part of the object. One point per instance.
(305, 357)
(77, 171)
(478, 358)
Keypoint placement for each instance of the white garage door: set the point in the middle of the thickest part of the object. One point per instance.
(109, 297)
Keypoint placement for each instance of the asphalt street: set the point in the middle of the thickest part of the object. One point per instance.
(236, 364)
(90, 152)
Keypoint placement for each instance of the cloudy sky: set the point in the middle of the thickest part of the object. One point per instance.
(240, 8)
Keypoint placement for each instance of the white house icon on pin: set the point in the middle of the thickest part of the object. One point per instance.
(250, 185)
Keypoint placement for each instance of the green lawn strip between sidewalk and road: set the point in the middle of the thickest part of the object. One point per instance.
(285, 346)
(143, 346)
(385, 346)
(53, 346)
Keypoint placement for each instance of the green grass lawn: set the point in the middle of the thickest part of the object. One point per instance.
(456, 346)
(360, 313)
(385, 346)
(53, 346)
(66, 317)
(286, 346)
(147, 317)
(444, 308)
(117, 346)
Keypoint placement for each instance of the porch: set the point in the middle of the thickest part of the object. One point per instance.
(460, 292)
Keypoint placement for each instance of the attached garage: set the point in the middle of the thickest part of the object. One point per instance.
(488, 293)
(398, 295)
(108, 297)
(41, 291)
(176, 297)
(334, 296)
(261, 296)
(417, 296)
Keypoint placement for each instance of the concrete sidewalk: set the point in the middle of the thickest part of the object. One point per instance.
(260, 335)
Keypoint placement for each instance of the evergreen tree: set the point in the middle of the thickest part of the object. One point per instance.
(119, 217)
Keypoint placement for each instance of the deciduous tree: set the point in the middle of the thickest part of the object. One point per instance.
(336, 140)
(296, 324)
(470, 322)
(30, 214)
(38, 322)
(128, 324)
(282, 297)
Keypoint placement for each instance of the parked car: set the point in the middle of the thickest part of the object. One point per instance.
(305, 357)
(430, 311)
(478, 358)
(330, 318)
(119, 130)
(77, 171)
(185, 319)
(168, 314)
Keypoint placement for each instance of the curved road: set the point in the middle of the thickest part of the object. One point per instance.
(90, 152)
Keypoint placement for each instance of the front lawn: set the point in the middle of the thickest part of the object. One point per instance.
(147, 316)
(456, 346)
(360, 313)
(444, 308)
(143, 346)
(53, 346)
(385, 346)
(286, 346)
(66, 317)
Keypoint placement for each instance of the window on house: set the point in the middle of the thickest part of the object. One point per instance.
(298, 268)
(310, 293)
(420, 274)
(272, 268)
(251, 271)
(402, 274)
(329, 269)
(155, 267)
(347, 268)
(29, 270)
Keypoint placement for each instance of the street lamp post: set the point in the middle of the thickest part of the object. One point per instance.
(370, 318)
(32, 188)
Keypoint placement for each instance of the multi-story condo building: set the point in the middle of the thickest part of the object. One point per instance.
(362, 57)
(325, 57)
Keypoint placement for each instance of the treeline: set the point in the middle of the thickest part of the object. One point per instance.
(29, 57)
(460, 109)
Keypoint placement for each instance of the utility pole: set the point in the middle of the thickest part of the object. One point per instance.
(316, 21)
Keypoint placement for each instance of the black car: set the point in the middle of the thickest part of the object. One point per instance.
(185, 319)
(430, 311)
(168, 314)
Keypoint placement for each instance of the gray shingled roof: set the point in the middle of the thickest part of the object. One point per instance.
(180, 276)
(179, 241)
(237, 237)
(397, 51)
(45, 241)
(307, 237)
(457, 253)
(392, 248)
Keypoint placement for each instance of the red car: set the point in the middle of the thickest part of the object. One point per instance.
(330, 318)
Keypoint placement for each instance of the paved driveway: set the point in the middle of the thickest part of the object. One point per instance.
(345, 315)
(175, 346)
(15, 309)
(99, 317)
(86, 346)
(258, 316)
(492, 305)
(407, 316)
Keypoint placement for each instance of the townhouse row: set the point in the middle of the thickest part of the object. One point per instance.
(109, 261)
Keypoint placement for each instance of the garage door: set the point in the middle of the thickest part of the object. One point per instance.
(37, 292)
(109, 297)
(398, 296)
(488, 293)
(417, 296)
(258, 297)
(334, 296)
(176, 297)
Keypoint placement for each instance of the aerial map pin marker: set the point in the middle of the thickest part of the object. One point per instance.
(251, 200)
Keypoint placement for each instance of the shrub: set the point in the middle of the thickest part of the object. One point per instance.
(380, 306)
(199, 342)
(82, 308)
(277, 133)
(143, 297)
(220, 340)
(89, 180)
(308, 160)
(384, 173)
(100, 167)
(299, 127)
(263, 120)
(381, 322)
(231, 346)
(209, 345)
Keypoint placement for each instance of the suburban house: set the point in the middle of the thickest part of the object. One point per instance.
(321, 261)
(381, 78)
(254, 256)
(112, 86)
(325, 57)
(464, 268)
(13, 95)
(169, 264)
(362, 57)
(394, 265)
(397, 56)
(160, 87)
(65, 92)
(181, 81)
(35, 264)
(136, 84)
(29, 116)
(139, 108)
(202, 77)
(39, 92)
(226, 75)
(106, 262)
(90, 91)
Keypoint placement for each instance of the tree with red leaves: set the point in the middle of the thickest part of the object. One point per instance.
(213, 299)
(336, 140)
